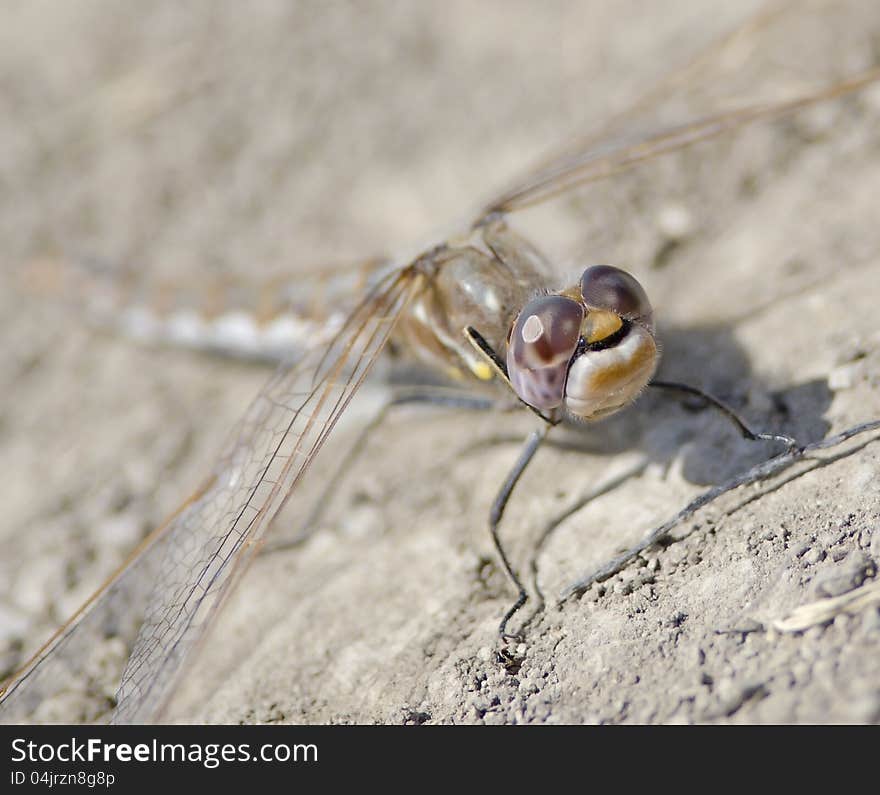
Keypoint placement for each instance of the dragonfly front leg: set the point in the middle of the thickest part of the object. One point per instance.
(532, 444)
(746, 432)
(757, 474)
(528, 453)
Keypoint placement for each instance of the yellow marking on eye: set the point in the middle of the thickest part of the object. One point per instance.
(599, 324)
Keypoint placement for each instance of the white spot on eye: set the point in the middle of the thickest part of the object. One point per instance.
(533, 329)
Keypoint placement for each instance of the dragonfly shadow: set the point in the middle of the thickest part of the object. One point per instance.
(664, 424)
(709, 446)
(713, 451)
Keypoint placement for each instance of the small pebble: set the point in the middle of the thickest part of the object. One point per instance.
(526, 685)
(848, 574)
(801, 550)
(675, 222)
(842, 377)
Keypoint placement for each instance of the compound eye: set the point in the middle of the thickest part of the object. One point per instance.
(541, 345)
(609, 288)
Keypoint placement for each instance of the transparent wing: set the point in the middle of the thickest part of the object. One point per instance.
(744, 76)
(603, 159)
(614, 127)
(184, 571)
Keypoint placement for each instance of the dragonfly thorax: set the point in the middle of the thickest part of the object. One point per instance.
(470, 285)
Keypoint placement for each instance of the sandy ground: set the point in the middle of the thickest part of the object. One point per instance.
(204, 140)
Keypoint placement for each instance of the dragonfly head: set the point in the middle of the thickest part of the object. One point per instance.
(590, 347)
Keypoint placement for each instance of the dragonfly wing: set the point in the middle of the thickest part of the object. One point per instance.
(706, 87)
(185, 570)
(604, 159)
(65, 680)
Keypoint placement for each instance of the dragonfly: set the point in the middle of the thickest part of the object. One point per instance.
(475, 307)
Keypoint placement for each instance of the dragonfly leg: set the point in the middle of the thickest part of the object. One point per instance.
(497, 363)
(429, 396)
(746, 432)
(528, 452)
(758, 473)
(593, 494)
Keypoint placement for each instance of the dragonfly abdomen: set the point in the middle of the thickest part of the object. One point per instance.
(265, 319)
